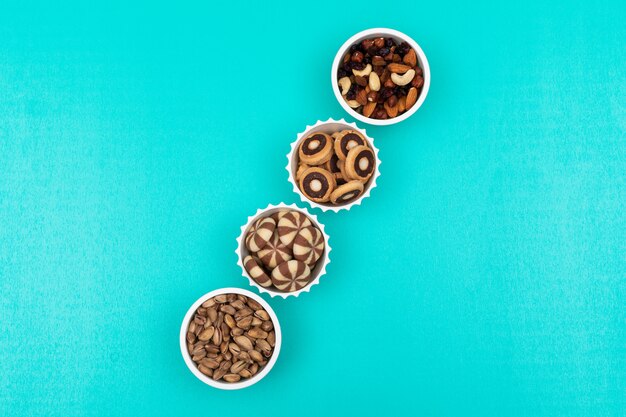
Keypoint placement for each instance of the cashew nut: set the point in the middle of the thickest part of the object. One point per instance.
(374, 82)
(364, 72)
(353, 103)
(345, 84)
(403, 79)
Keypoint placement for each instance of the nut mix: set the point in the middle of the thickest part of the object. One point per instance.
(334, 168)
(284, 249)
(380, 78)
(230, 338)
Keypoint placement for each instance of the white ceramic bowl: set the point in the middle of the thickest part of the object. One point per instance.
(330, 126)
(398, 37)
(316, 273)
(229, 385)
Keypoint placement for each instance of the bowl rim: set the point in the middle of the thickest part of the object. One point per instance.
(421, 56)
(293, 152)
(240, 244)
(229, 385)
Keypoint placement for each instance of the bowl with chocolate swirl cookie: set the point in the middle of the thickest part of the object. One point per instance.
(333, 165)
(283, 250)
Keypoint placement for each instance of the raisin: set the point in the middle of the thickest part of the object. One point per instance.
(403, 49)
(354, 48)
(384, 51)
(342, 73)
(351, 95)
(385, 93)
(390, 42)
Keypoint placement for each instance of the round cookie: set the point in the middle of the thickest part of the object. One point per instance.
(308, 245)
(291, 276)
(256, 272)
(300, 170)
(347, 140)
(331, 164)
(316, 184)
(260, 233)
(360, 163)
(315, 149)
(347, 192)
(274, 253)
(289, 225)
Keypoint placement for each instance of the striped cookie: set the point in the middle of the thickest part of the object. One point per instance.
(260, 233)
(308, 245)
(274, 253)
(289, 225)
(291, 276)
(257, 273)
(279, 214)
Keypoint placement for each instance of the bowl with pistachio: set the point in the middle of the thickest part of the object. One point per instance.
(380, 76)
(230, 338)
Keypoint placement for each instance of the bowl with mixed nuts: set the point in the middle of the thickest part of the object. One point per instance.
(283, 250)
(230, 338)
(333, 165)
(380, 76)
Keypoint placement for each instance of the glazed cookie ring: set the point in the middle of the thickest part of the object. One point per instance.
(347, 192)
(347, 140)
(317, 184)
(274, 253)
(331, 165)
(308, 245)
(291, 276)
(260, 233)
(316, 149)
(360, 163)
(253, 266)
(289, 225)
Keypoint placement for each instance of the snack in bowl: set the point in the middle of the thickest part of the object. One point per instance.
(341, 177)
(287, 261)
(230, 338)
(380, 77)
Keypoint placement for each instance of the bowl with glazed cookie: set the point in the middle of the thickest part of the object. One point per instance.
(283, 250)
(333, 165)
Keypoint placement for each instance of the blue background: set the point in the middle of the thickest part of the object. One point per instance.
(485, 276)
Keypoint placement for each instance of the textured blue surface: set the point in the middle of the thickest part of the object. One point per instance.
(485, 276)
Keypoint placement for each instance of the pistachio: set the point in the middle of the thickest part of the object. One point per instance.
(243, 342)
(222, 336)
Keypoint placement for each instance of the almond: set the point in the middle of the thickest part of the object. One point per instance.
(368, 109)
(378, 61)
(398, 68)
(392, 111)
(361, 97)
(402, 104)
(411, 98)
(410, 58)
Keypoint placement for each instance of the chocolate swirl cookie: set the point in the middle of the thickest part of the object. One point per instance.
(308, 245)
(274, 253)
(317, 184)
(260, 233)
(347, 192)
(289, 225)
(316, 149)
(291, 276)
(360, 163)
(256, 271)
(347, 140)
